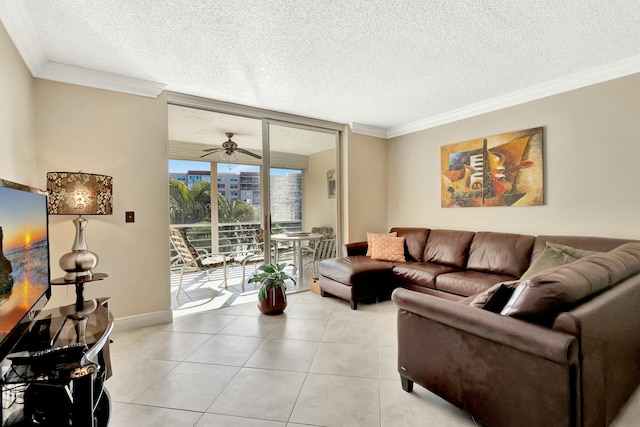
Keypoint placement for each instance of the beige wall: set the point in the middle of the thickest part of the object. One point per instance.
(124, 136)
(592, 173)
(17, 118)
(318, 209)
(365, 186)
(592, 166)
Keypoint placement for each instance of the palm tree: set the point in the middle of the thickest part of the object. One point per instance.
(230, 211)
(189, 205)
(235, 211)
(200, 193)
(178, 201)
(193, 205)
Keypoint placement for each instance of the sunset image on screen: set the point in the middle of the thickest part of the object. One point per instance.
(24, 254)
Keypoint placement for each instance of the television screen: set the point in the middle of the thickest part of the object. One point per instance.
(24, 260)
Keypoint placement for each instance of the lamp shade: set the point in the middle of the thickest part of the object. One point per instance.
(78, 193)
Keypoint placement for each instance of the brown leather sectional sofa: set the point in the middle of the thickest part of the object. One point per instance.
(451, 264)
(566, 351)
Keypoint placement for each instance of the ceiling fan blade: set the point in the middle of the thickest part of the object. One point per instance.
(212, 151)
(249, 153)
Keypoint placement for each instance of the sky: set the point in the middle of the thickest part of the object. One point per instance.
(23, 217)
(182, 166)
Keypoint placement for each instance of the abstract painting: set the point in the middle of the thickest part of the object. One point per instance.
(499, 170)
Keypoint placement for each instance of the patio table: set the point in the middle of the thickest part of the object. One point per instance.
(297, 238)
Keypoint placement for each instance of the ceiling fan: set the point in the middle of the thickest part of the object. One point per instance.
(229, 148)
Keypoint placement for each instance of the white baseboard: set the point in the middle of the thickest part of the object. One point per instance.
(143, 320)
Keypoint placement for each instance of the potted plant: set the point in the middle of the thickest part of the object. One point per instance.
(272, 296)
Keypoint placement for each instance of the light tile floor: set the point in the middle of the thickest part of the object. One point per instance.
(199, 294)
(318, 364)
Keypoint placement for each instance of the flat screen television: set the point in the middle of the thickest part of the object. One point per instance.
(24, 260)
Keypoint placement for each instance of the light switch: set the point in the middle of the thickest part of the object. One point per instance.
(130, 216)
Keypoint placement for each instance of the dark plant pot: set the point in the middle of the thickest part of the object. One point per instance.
(275, 303)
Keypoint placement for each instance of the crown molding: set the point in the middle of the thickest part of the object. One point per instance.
(19, 26)
(100, 80)
(369, 130)
(574, 81)
(17, 22)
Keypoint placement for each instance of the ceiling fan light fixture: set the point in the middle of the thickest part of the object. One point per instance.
(230, 156)
(229, 150)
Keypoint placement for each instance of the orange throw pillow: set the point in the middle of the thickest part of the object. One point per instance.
(371, 237)
(388, 248)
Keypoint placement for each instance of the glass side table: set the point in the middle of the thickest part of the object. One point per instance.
(79, 284)
(71, 392)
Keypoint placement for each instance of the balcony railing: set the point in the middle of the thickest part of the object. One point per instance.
(233, 238)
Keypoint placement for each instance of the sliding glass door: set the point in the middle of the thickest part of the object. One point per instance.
(244, 186)
(303, 194)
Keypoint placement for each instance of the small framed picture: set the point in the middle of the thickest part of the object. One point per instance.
(331, 183)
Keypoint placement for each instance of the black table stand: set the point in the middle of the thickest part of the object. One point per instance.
(68, 393)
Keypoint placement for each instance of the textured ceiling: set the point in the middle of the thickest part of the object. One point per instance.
(202, 129)
(382, 63)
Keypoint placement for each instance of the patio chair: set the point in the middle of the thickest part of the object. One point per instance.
(323, 249)
(192, 259)
(255, 255)
(327, 232)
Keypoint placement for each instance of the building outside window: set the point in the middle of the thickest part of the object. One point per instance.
(242, 183)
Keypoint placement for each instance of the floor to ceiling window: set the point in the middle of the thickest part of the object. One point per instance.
(308, 196)
(223, 197)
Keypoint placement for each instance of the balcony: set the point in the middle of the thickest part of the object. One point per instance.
(233, 238)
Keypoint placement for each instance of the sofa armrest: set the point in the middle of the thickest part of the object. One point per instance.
(503, 371)
(529, 338)
(355, 248)
(607, 328)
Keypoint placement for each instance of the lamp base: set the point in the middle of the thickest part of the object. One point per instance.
(78, 264)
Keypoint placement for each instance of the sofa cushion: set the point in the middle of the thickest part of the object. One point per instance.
(466, 300)
(448, 247)
(500, 253)
(354, 270)
(499, 298)
(542, 297)
(415, 241)
(420, 274)
(600, 244)
(388, 248)
(555, 255)
(467, 283)
(371, 237)
(503, 288)
(570, 250)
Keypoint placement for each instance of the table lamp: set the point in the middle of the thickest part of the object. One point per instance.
(79, 193)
